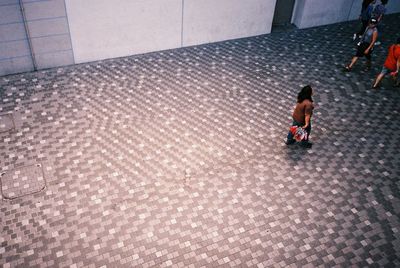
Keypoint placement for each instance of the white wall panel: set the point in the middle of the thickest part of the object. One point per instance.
(103, 29)
(207, 21)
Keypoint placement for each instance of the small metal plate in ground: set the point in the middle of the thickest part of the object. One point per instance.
(22, 181)
(6, 122)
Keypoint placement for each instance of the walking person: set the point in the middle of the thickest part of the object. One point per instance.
(366, 45)
(391, 65)
(378, 13)
(302, 115)
(365, 16)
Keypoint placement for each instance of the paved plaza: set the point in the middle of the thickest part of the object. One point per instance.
(177, 158)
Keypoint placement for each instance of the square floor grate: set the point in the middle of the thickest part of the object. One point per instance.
(22, 181)
(6, 122)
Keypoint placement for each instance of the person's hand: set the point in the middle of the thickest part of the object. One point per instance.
(394, 73)
(366, 51)
(305, 126)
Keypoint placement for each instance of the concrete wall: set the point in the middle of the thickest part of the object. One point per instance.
(49, 33)
(206, 21)
(310, 13)
(103, 29)
(15, 56)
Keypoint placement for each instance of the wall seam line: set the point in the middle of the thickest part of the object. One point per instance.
(44, 19)
(69, 32)
(54, 51)
(28, 36)
(49, 35)
(183, 4)
(15, 57)
(14, 40)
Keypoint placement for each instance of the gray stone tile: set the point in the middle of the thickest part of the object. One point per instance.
(10, 14)
(13, 49)
(12, 32)
(48, 27)
(53, 43)
(55, 59)
(17, 65)
(35, 10)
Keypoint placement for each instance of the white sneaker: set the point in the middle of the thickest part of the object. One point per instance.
(377, 43)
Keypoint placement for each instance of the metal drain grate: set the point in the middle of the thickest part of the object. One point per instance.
(22, 181)
(6, 122)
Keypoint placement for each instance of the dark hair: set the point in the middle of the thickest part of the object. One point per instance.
(384, 2)
(398, 40)
(305, 94)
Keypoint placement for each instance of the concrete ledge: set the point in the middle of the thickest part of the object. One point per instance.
(10, 14)
(44, 9)
(14, 49)
(54, 59)
(11, 32)
(9, 2)
(16, 65)
(51, 43)
(47, 27)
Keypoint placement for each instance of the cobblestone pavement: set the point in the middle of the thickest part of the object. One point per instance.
(176, 158)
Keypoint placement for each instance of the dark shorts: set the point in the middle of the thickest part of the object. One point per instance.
(360, 50)
(386, 71)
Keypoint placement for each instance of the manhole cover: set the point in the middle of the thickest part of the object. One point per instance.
(6, 122)
(22, 181)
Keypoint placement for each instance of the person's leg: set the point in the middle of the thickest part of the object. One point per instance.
(306, 143)
(380, 76)
(360, 53)
(350, 66)
(308, 129)
(378, 80)
(290, 138)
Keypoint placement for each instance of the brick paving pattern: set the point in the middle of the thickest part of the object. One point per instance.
(176, 158)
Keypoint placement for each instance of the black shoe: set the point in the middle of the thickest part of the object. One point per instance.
(306, 144)
(347, 68)
(289, 142)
